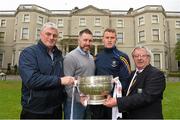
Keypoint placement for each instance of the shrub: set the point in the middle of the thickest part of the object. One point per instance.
(174, 74)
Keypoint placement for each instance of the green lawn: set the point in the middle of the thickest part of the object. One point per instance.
(171, 101)
(10, 100)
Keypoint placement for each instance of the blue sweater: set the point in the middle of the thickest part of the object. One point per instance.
(113, 62)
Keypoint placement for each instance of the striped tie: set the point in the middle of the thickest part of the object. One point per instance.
(132, 82)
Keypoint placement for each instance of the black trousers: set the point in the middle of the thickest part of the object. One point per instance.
(98, 112)
(28, 115)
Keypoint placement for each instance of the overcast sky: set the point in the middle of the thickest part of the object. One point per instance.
(169, 5)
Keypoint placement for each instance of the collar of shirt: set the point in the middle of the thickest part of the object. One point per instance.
(51, 54)
(139, 71)
(82, 52)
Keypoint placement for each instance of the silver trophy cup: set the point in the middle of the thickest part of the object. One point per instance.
(97, 87)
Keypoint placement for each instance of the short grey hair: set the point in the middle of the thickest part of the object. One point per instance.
(49, 25)
(149, 53)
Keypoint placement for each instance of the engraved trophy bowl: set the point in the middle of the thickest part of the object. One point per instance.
(95, 87)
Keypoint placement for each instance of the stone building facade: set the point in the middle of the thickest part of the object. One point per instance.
(151, 26)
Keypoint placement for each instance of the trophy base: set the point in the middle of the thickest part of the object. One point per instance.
(96, 100)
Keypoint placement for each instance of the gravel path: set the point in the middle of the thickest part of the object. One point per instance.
(12, 77)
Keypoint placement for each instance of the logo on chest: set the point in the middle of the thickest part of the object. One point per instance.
(114, 63)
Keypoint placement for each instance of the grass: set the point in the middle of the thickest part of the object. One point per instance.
(10, 100)
(171, 101)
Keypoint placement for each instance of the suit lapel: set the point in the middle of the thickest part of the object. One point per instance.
(140, 78)
(136, 81)
(131, 84)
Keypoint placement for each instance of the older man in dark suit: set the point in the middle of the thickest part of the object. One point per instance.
(145, 92)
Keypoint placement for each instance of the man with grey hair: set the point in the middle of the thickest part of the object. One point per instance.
(41, 71)
(144, 95)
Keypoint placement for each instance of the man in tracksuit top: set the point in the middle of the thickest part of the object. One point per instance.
(110, 61)
(41, 71)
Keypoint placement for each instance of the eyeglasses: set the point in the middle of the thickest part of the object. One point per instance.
(142, 56)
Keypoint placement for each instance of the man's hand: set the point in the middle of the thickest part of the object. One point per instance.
(67, 80)
(105, 93)
(110, 102)
(84, 99)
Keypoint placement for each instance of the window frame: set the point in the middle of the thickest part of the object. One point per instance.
(177, 24)
(141, 36)
(60, 22)
(3, 22)
(155, 35)
(154, 20)
(120, 38)
(22, 34)
(97, 22)
(177, 37)
(61, 35)
(38, 30)
(97, 34)
(40, 20)
(141, 20)
(159, 61)
(120, 23)
(82, 21)
(3, 37)
(26, 20)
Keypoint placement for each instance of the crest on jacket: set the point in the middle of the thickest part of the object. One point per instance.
(114, 63)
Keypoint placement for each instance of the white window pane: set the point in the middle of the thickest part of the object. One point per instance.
(60, 23)
(141, 20)
(3, 23)
(82, 21)
(97, 21)
(119, 23)
(177, 24)
(178, 37)
(141, 36)
(60, 35)
(97, 33)
(157, 60)
(2, 35)
(25, 33)
(38, 34)
(155, 19)
(155, 34)
(40, 20)
(26, 18)
(120, 37)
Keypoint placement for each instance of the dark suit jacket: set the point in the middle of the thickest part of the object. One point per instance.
(144, 99)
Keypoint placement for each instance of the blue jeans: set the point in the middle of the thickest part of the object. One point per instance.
(78, 110)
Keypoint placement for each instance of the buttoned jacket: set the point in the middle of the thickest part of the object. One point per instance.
(145, 97)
